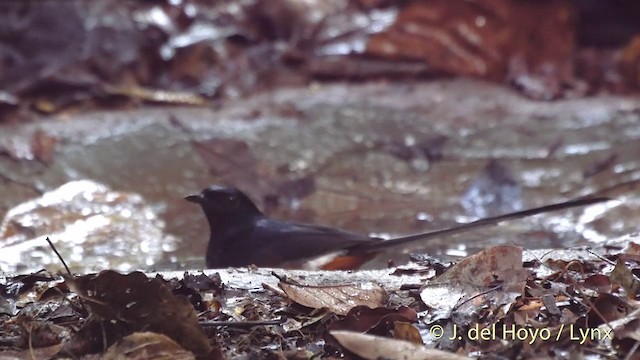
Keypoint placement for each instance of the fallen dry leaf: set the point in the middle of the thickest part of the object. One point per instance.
(143, 304)
(606, 308)
(407, 332)
(499, 263)
(381, 320)
(529, 43)
(495, 275)
(624, 277)
(377, 347)
(147, 345)
(632, 249)
(598, 282)
(338, 299)
(626, 327)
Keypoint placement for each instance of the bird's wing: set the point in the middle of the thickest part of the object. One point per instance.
(289, 242)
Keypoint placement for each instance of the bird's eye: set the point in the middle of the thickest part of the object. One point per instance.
(231, 198)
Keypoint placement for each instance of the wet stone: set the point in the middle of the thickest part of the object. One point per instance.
(92, 226)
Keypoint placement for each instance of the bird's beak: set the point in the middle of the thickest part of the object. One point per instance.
(194, 198)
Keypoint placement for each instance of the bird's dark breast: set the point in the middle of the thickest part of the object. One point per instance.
(229, 248)
(247, 246)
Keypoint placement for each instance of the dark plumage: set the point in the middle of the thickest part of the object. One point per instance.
(242, 235)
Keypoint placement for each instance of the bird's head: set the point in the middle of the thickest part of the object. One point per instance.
(224, 203)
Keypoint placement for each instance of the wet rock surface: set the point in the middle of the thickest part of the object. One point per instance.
(377, 158)
(92, 226)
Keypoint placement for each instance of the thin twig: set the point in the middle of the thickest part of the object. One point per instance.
(68, 271)
(244, 323)
(495, 288)
(59, 256)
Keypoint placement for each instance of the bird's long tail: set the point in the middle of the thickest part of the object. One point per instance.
(583, 201)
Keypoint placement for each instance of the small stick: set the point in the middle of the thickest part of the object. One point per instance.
(59, 256)
(243, 323)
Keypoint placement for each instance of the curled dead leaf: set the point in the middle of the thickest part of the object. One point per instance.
(495, 274)
(377, 347)
(624, 277)
(336, 298)
(147, 345)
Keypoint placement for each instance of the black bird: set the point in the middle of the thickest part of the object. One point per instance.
(242, 235)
